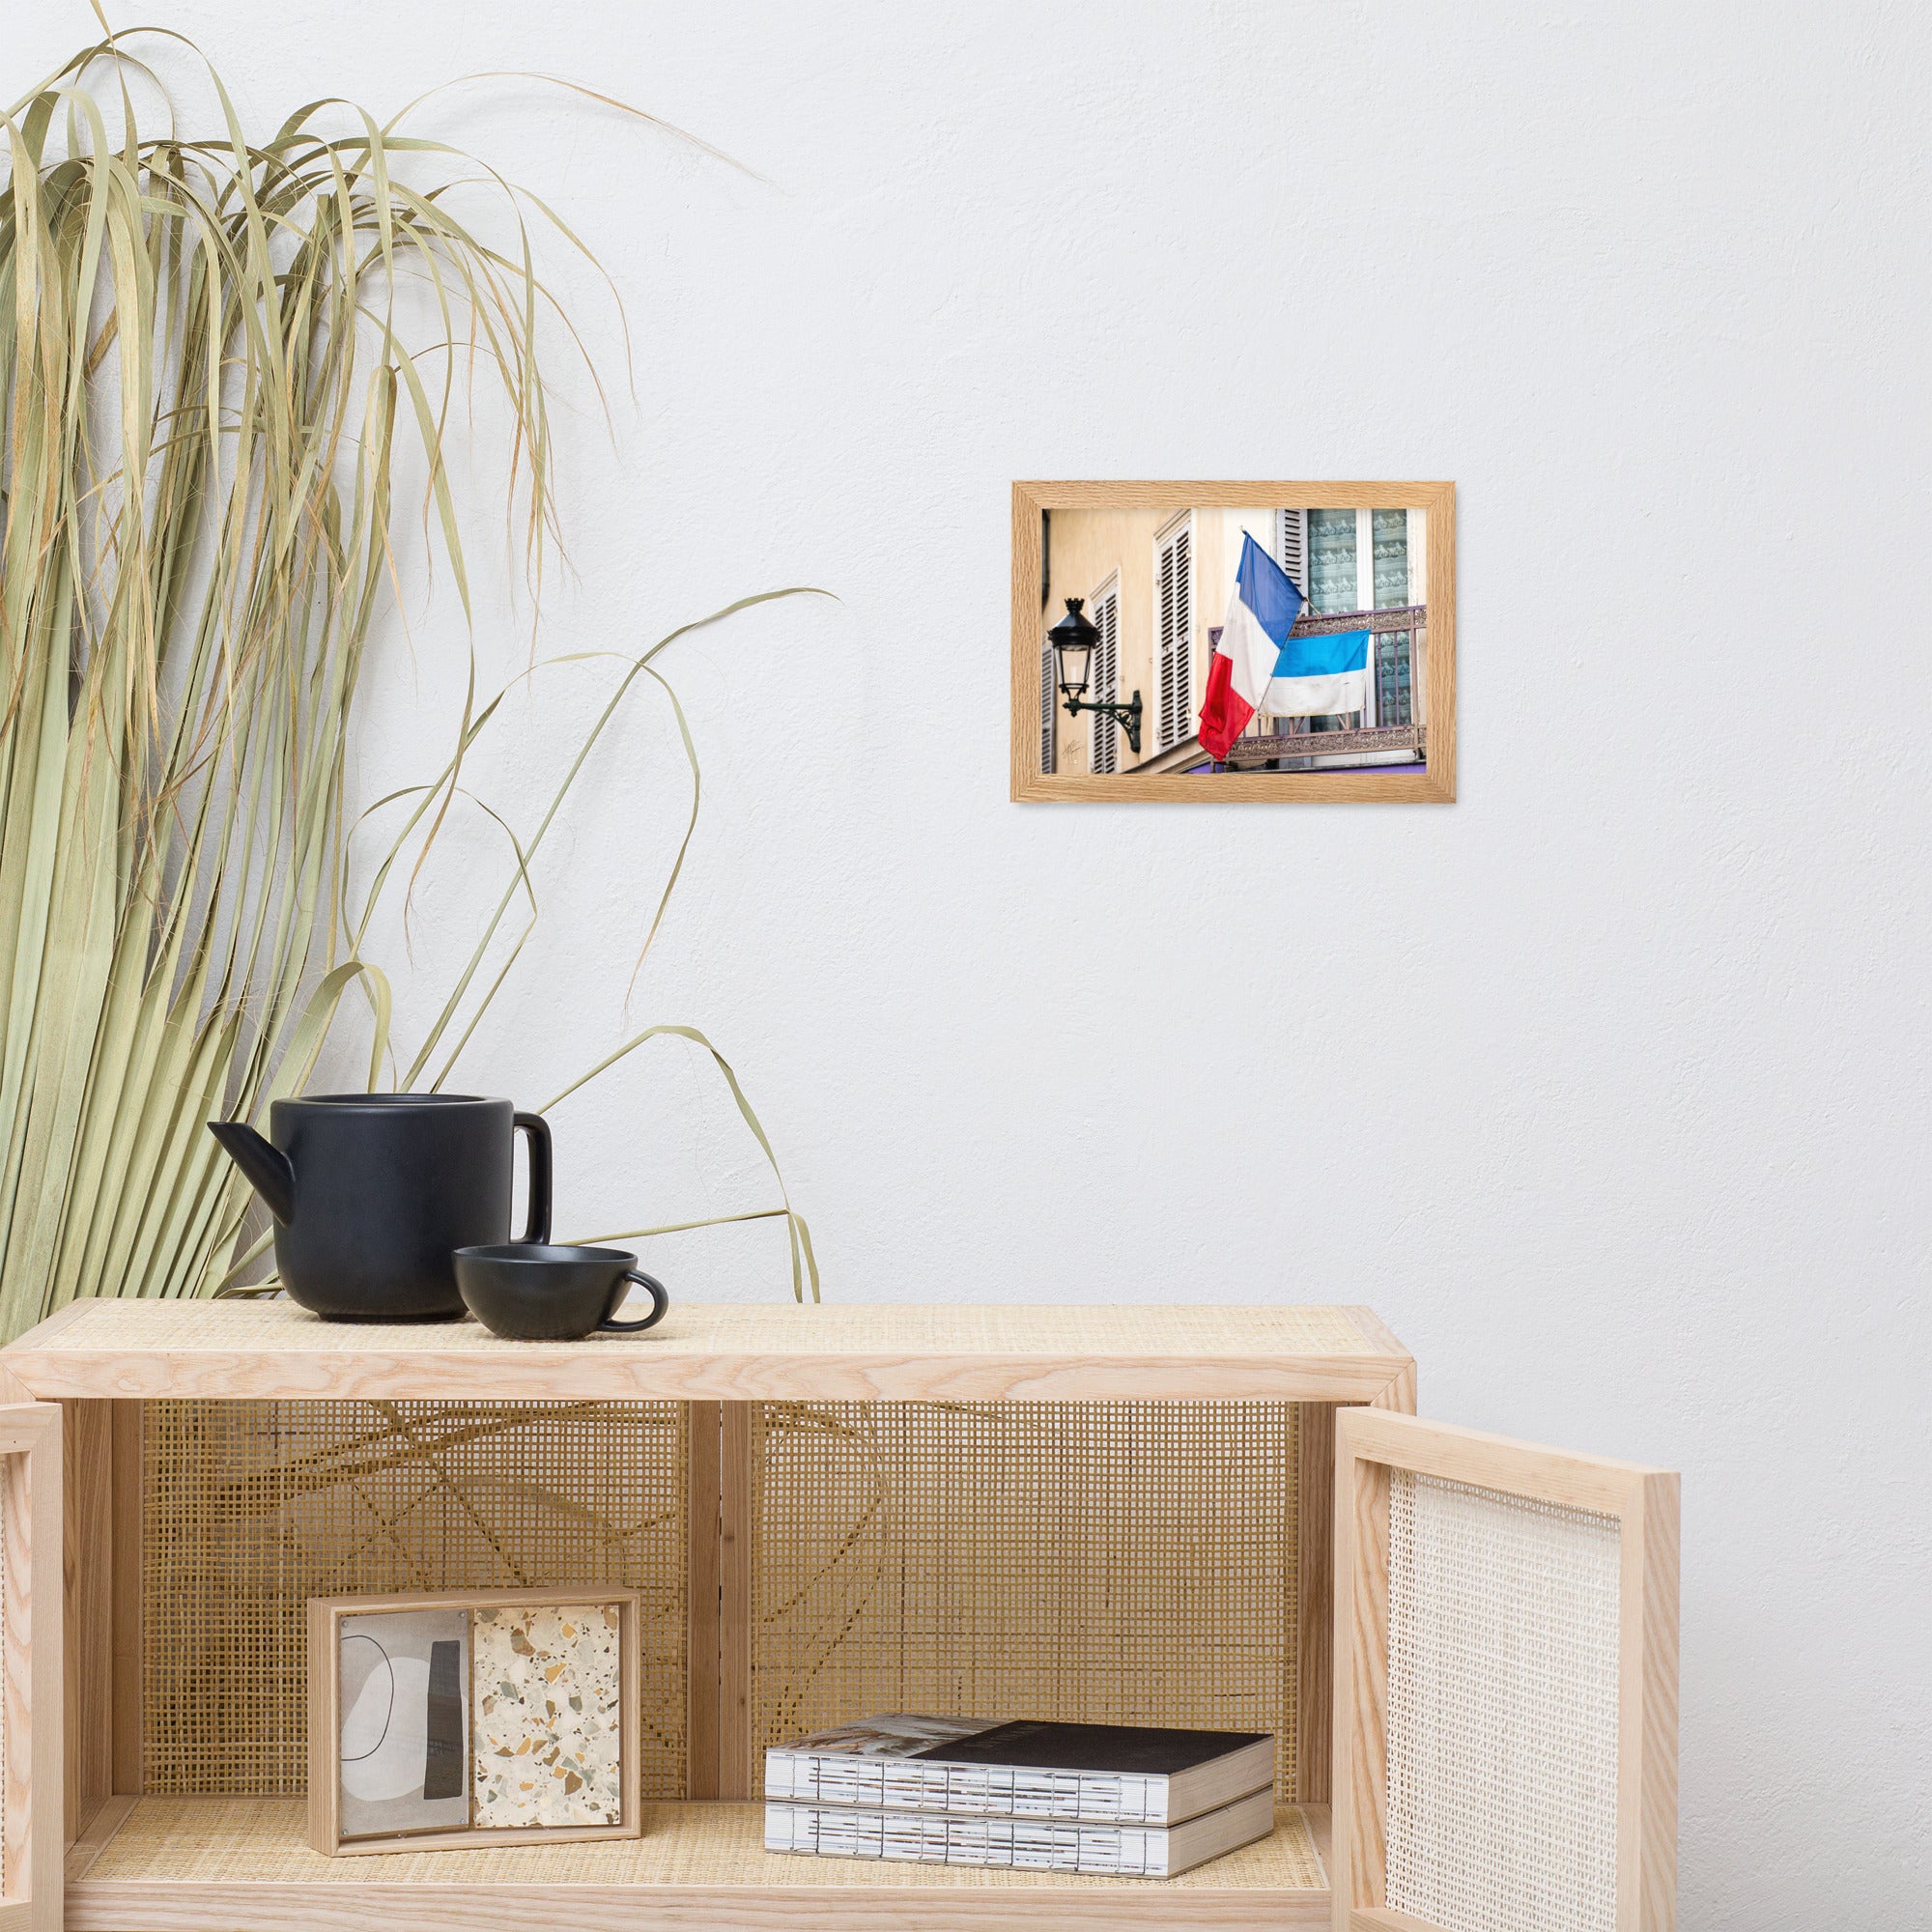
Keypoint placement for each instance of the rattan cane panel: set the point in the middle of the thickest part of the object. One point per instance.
(250, 1508)
(212, 1841)
(1105, 1562)
(1502, 1710)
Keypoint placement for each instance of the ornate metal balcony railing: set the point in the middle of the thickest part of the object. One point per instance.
(1265, 748)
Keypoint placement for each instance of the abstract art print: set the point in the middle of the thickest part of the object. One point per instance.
(1233, 641)
(484, 1718)
(404, 1734)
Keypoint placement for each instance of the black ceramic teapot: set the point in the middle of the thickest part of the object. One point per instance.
(373, 1192)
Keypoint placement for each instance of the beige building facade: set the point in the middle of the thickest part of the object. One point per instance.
(1155, 585)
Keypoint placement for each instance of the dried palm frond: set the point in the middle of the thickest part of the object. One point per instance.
(208, 384)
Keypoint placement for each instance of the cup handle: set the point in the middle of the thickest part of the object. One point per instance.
(660, 1301)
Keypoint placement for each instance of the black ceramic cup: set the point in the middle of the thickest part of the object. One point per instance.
(530, 1292)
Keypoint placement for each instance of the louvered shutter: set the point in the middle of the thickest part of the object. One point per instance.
(1046, 677)
(1292, 546)
(1104, 753)
(1174, 632)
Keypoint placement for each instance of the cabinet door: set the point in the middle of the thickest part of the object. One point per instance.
(1505, 1685)
(30, 1667)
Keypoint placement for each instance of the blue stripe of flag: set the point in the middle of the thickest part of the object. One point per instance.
(1305, 656)
(1267, 590)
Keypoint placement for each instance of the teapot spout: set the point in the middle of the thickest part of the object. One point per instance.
(266, 1166)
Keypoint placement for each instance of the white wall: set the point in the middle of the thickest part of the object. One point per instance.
(1607, 1085)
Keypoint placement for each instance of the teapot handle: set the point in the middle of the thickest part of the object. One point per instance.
(538, 1127)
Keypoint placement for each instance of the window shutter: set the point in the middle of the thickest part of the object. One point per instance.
(1046, 675)
(1104, 752)
(1292, 546)
(1174, 632)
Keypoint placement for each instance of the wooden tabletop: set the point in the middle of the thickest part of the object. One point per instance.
(723, 1352)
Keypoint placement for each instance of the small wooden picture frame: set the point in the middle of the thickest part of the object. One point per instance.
(1331, 607)
(420, 1693)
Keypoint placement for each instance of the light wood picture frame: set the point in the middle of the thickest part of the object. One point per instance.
(326, 1616)
(1412, 760)
(1373, 1449)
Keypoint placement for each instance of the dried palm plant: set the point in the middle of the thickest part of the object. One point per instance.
(209, 380)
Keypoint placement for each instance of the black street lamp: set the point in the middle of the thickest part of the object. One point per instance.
(1074, 640)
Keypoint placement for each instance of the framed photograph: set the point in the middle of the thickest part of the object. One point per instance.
(1235, 641)
(482, 1717)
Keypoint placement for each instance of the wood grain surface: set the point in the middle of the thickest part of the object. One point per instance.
(728, 1353)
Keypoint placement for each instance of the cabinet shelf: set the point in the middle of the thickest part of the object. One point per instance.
(241, 1864)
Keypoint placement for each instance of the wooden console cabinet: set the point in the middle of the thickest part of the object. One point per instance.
(96, 1837)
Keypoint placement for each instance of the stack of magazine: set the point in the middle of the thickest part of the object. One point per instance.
(1116, 1799)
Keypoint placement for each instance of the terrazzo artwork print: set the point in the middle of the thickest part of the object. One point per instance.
(548, 1724)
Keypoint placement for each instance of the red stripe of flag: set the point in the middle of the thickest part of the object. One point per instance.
(1224, 712)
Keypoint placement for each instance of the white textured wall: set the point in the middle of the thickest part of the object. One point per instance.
(1607, 1085)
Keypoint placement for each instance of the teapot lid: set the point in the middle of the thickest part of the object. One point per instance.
(389, 1100)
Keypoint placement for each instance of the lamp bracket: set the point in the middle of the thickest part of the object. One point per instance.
(1126, 716)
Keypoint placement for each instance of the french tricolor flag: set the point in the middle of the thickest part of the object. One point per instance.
(1260, 666)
